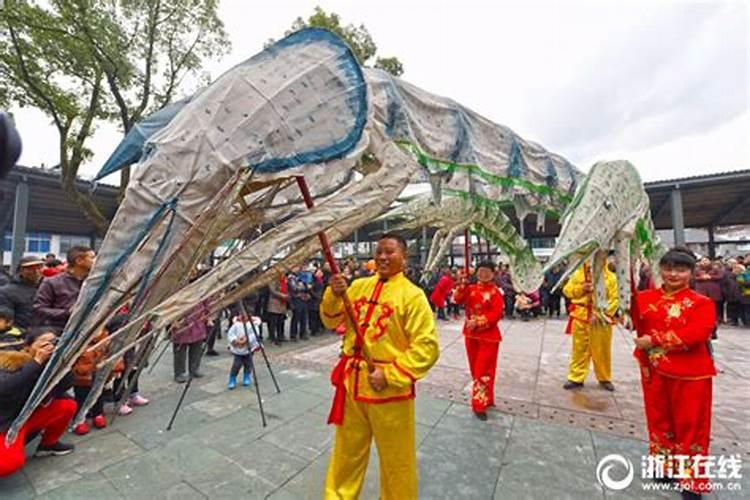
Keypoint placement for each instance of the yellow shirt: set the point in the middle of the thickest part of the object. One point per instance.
(401, 336)
(573, 290)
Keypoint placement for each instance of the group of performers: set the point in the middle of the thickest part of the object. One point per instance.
(395, 343)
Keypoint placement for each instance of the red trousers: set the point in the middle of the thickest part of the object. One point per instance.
(482, 356)
(52, 420)
(678, 413)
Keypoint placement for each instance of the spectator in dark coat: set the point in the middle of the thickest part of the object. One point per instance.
(18, 295)
(188, 335)
(57, 295)
(19, 371)
(300, 296)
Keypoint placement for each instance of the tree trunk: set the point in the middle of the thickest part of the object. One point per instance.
(85, 203)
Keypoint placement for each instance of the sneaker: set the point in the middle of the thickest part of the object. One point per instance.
(607, 386)
(570, 385)
(80, 430)
(181, 378)
(137, 400)
(211, 352)
(246, 379)
(232, 383)
(198, 374)
(124, 410)
(57, 449)
(99, 422)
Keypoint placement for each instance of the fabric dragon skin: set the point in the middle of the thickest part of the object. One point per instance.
(221, 165)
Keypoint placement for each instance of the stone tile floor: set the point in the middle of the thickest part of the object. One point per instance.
(542, 442)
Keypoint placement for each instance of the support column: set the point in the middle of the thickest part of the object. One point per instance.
(711, 243)
(20, 218)
(678, 221)
(356, 244)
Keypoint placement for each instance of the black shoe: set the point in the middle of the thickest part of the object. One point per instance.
(277, 343)
(304, 337)
(293, 339)
(607, 386)
(481, 415)
(181, 379)
(570, 385)
(690, 495)
(211, 352)
(198, 374)
(58, 449)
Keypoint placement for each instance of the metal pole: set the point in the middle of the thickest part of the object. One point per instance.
(260, 343)
(423, 248)
(20, 217)
(466, 251)
(678, 222)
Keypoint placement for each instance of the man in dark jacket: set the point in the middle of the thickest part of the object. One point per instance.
(18, 295)
(57, 295)
(19, 371)
(4, 278)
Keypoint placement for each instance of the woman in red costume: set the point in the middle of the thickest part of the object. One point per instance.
(484, 306)
(674, 325)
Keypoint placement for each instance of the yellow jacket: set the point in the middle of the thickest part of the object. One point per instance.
(401, 336)
(581, 300)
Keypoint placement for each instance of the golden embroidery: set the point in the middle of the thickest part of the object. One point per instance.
(386, 311)
(674, 311)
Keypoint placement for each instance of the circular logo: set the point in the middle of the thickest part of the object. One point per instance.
(604, 469)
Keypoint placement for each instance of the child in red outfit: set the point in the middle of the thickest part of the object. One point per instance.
(484, 308)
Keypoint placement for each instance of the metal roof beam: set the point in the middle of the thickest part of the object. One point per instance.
(729, 208)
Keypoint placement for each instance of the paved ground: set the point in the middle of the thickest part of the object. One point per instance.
(542, 442)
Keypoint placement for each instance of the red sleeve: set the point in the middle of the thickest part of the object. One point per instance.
(497, 308)
(698, 328)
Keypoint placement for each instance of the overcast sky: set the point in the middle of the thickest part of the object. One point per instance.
(664, 84)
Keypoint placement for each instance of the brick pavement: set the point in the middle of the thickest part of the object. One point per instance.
(542, 442)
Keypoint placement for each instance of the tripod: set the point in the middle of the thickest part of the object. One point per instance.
(254, 372)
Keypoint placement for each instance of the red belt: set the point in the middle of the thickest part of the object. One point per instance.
(344, 367)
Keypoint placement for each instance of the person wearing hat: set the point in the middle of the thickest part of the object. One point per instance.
(674, 324)
(11, 338)
(484, 305)
(18, 295)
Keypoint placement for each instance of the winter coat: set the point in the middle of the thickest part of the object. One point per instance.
(711, 287)
(277, 296)
(743, 282)
(18, 375)
(55, 299)
(84, 368)
(443, 288)
(299, 291)
(192, 327)
(18, 296)
(732, 291)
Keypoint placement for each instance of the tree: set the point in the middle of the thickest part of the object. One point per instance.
(81, 61)
(358, 38)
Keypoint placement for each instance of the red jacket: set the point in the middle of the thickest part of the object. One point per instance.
(484, 303)
(680, 326)
(444, 286)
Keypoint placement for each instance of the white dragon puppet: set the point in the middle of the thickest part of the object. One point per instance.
(222, 165)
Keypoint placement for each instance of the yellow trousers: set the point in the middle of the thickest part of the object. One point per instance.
(591, 343)
(392, 426)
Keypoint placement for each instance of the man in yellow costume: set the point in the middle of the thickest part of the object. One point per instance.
(394, 345)
(591, 327)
